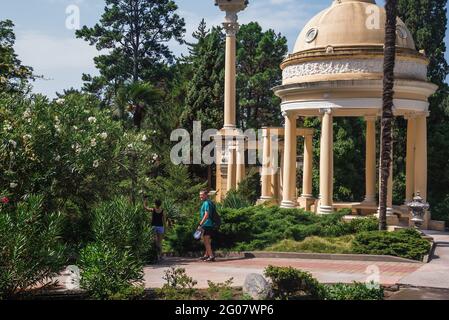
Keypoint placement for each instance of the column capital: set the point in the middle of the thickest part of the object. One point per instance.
(410, 115)
(324, 111)
(371, 118)
(289, 114)
(231, 28)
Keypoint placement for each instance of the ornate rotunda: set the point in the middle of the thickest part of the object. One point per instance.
(336, 70)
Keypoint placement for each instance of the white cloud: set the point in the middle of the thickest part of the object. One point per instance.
(61, 60)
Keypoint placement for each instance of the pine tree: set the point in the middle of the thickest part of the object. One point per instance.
(259, 55)
(13, 74)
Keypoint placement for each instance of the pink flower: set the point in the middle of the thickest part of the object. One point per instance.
(4, 200)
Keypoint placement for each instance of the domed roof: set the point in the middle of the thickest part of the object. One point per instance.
(349, 23)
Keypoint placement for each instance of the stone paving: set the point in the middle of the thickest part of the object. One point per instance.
(326, 271)
(436, 273)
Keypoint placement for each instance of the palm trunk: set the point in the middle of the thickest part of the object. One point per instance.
(387, 108)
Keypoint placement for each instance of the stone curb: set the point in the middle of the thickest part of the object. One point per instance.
(329, 256)
(298, 255)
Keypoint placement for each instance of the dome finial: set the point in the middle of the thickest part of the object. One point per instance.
(366, 1)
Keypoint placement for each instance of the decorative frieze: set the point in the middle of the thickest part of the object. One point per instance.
(410, 69)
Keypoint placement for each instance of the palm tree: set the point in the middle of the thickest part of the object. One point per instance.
(387, 108)
(138, 97)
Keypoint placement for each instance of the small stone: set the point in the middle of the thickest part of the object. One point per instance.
(257, 287)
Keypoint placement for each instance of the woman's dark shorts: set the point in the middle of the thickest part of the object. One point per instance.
(209, 231)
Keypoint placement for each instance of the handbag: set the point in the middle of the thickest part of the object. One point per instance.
(198, 233)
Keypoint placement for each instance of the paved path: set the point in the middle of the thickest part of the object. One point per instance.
(436, 273)
(326, 271)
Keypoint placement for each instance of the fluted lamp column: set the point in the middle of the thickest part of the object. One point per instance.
(231, 26)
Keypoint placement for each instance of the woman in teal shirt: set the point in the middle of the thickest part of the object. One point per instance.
(207, 225)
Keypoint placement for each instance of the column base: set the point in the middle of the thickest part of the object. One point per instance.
(392, 219)
(263, 200)
(287, 204)
(325, 209)
(370, 200)
(306, 201)
(229, 127)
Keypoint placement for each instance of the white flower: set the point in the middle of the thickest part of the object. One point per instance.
(77, 148)
(92, 119)
(27, 137)
(27, 113)
(154, 131)
(144, 138)
(58, 158)
(96, 164)
(60, 101)
(93, 143)
(13, 185)
(130, 146)
(7, 126)
(75, 128)
(155, 156)
(104, 135)
(13, 143)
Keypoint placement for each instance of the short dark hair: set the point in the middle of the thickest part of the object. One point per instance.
(206, 192)
(158, 202)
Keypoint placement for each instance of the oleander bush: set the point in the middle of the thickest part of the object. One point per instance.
(127, 227)
(110, 273)
(31, 250)
(405, 243)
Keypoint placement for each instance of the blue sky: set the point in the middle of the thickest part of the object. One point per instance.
(44, 42)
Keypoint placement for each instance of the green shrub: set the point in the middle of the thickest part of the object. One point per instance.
(126, 227)
(178, 286)
(250, 188)
(405, 243)
(109, 273)
(356, 291)
(364, 224)
(31, 251)
(291, 283)
(234, 200)
(259, 227)
(220, 291)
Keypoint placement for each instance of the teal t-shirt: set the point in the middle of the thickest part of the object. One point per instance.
(207, 206)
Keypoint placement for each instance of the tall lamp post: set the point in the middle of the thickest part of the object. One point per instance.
(231, 26)
(235, 170)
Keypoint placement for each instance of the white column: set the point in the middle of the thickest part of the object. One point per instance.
(307, 191)
(265, 174)
(241, 172)
(231, 178)
(289, 178)
(410, 159)
(326, 163)
(421, 157)
(370, 160)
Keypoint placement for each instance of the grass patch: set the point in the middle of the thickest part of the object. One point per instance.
(315, 245)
